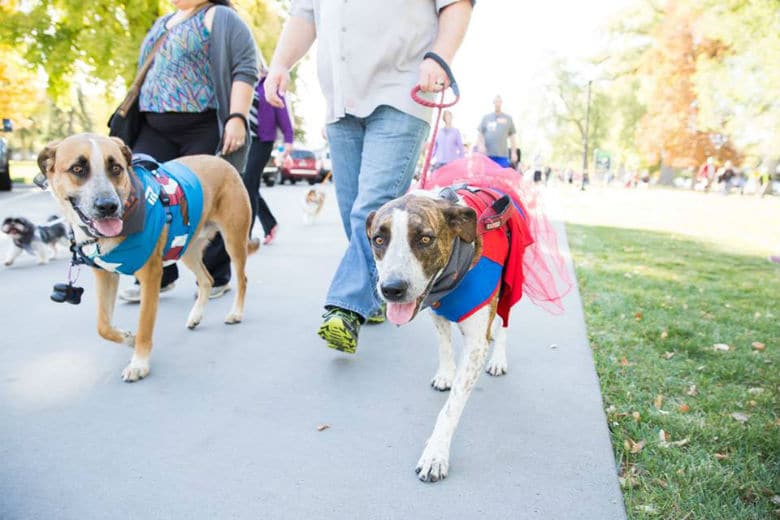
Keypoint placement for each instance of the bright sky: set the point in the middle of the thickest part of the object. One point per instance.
(507, 51)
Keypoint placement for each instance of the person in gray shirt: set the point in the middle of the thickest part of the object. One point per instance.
(497, 136)
(370, 54)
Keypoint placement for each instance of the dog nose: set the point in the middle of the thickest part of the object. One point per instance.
(394, 290)
(106, 207)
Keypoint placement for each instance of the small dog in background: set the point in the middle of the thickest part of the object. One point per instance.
(40, 241)
(315, 199)
(312, 205)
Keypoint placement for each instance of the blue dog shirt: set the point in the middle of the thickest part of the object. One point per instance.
(171, 195)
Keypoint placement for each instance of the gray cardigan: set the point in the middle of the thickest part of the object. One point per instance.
(232, 57)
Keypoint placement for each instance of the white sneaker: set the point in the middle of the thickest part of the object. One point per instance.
(133, 293)
(218, 291)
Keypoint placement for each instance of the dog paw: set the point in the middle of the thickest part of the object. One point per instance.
(137, 369)
(233, 318)
(8, 262)
(194, 319)
(442, 381)
(497, 366)
(433, 465)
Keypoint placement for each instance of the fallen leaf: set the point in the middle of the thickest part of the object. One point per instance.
(638, 315)
(684, 408)
(611, 408)
(721, 456)
(633, 447)
(664, 334)
(776, 500)
(658, 401)
(323, 427)
(661, 482)
(636, 416)
(668, 355)
(752, 403)
(624, 361)
(721, 346)
(757, 345)
(692, 390)
(739, 416)
(663, 436)
(755, 390)
(647, 508)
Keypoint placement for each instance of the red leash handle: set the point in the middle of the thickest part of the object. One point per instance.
(438, 106)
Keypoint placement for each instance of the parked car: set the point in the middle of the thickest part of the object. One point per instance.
(299, 165)
(324, 165)
(271, 174)
(5, 169)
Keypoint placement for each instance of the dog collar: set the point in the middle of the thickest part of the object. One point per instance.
(453, 273)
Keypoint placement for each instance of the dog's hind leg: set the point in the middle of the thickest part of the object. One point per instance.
(106, 284)
(497, 365)
(236, 247)
(442, 380)
(193, 259)
(434, 462)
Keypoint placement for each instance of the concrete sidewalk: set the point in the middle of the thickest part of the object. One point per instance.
(226, 425)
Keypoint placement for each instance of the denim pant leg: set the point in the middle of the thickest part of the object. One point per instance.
(390, 147)
(345, 138)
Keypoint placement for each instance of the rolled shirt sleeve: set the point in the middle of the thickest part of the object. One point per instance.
(303, 9)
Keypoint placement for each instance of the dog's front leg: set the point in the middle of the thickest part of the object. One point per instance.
(497, 365)
(442, 380)
(434, 462)
(13, 254)
(149, 277)
(106, 284)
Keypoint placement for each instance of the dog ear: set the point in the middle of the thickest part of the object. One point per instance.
(128, 155)
(46, 158)
(369, 221)
(463, 221)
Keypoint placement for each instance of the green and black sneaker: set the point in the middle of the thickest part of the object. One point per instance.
(340, 329)
(380, 316)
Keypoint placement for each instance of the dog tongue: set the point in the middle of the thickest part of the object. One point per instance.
(108, 227)
(400, 313)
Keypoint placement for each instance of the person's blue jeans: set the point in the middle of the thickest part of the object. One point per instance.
(374, 160)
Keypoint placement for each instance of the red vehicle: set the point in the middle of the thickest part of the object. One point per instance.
(299, 165)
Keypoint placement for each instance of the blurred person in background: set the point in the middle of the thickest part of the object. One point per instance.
(449, 143)
(264, 120)
(497, 136)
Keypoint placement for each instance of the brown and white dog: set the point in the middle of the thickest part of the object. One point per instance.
(312, 205)
(90, 177)
(412, 240)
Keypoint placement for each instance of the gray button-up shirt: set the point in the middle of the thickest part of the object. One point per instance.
(369, 51)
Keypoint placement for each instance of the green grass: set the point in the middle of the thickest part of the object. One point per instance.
(23, 171)
(655, 305)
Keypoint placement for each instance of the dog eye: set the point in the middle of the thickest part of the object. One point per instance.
(116, 169)
(77, 170)
(426, 240)
(379, 241)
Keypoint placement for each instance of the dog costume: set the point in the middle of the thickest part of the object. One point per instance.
(169, 194)
(505, 236)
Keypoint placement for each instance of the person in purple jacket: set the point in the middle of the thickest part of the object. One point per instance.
(449, 143)
(264, 119)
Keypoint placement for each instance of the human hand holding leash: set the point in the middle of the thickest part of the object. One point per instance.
(276, 86)
(433, 77)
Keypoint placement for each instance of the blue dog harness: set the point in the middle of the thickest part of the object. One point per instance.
(171, 195)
